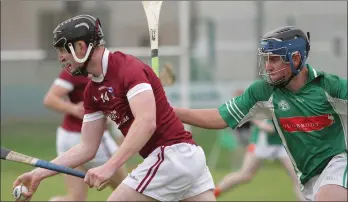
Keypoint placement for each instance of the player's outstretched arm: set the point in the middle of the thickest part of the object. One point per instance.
(203, 118)
(77, 155)
(143, 107)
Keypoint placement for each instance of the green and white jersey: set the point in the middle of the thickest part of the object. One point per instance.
(257, 133)
(312, 122)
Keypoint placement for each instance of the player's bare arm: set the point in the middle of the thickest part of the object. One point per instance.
(92, 133)
(55, 99)
(204, 118)
(116, 134)
(143, 107)
(77, 155)
(264, 126)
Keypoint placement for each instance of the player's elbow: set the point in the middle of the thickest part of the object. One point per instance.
(47, 101)
(83, 152)
(212, 120)
(220, 124)
(89, 152)
(214, 124)
(149, 123)
(91, 156)
(270, 130)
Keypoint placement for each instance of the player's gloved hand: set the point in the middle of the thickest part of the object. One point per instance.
(99, 177)
(79, 110)
(31, 180)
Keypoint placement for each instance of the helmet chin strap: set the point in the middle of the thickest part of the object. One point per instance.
(292, 66)
(286, 82)
(90, 46)
(81, 70)
(294, 71)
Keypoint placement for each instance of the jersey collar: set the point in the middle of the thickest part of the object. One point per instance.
(105, 62)
(312, 73)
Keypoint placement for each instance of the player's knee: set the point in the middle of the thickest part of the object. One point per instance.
(82, 196)
(205, 196)
(247, 176)
(114, 184)
(57, 198)
(78, 197)
(331, 193)
(117, 178)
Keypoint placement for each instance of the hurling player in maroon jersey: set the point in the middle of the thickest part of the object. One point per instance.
(66, 96)
(129, 92)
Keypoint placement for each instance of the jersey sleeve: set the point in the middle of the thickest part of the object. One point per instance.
(135, 78)
(92, 112)
(336, 86)
(254, 102)
(336, 92)
(65, 80)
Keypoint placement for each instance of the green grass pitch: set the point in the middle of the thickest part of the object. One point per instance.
(270, 184)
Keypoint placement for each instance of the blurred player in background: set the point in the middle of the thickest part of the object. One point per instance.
(66, 96)
(308, 108)
(264, 144)
(129, 92)
(242, 132)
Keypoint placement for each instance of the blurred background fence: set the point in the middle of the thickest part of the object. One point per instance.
(211, 45)
(221, 41)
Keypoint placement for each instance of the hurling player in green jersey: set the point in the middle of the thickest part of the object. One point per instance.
(308, 108)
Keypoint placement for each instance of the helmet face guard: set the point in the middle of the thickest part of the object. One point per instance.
(272, 47)
(276, 57)
(85, 28)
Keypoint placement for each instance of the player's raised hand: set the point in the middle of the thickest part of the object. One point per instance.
(79, 110)
(99, 177)
(31, 180)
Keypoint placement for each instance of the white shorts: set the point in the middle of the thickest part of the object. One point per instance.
(263, 151)
(334, 173)
(172, 173)
(67, 139)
